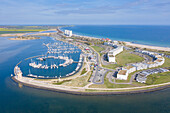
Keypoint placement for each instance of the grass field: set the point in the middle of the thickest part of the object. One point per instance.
(4, 29)
(167, 62)
(83, 71)
(12, 32)
(111, 66)
(158, 78)
(97, 48)
(124, 58)
(78, 82)
(59, 83)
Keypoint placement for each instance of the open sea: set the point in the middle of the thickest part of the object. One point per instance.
(148, 35)
(15, 99)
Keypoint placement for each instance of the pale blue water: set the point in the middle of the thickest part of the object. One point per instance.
(39, 49)
(29, 100)
(149, 35)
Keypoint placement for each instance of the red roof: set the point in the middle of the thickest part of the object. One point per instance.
(107, 39)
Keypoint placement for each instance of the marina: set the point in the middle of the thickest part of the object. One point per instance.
(59, 56)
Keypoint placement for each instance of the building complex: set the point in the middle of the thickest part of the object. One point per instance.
(68, 33)
(158, 60)
(112, 54)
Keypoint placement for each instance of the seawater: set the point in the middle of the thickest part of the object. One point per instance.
(141, 34)
(15, 99)
(40, 49)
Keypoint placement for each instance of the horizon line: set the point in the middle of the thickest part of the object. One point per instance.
(86, 24)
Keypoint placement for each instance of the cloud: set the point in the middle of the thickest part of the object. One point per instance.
(98, 9)
(73, 11)
(162, 4)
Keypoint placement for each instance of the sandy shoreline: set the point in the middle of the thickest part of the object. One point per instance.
(22, 34)
(11, 35)
(23, 39)
(88, 93)
(127, 43)
(148, 47)
(142, 46)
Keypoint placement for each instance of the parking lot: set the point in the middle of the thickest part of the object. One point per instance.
(142, 76)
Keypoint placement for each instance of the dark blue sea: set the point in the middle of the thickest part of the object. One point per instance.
(15, 99)
(148, 35)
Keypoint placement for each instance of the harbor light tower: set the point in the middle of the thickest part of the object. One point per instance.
(19, 75)
(18, 72)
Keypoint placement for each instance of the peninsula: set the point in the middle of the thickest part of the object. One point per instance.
(25, 38)
(105, 67)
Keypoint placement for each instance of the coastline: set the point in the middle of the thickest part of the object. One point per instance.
(15, 34)
(40, 33)
(128, 43)
(93, 91)
(23, 39)
(159, 48)
(90, 93)
(148, 46)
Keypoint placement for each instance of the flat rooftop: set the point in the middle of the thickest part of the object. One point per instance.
(122, 72)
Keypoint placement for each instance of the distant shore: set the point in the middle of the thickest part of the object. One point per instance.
(13, 34)
(127, 43)
(147, 46)
(25, 38)
(136, 45)
(23, 34)
(142, 46)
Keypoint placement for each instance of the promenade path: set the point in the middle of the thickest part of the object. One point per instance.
(42, 84)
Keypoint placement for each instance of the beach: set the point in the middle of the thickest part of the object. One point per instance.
(142, 46)
(28, 33)
(148, 47)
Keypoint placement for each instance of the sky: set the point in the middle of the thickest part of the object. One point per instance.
(85, 12)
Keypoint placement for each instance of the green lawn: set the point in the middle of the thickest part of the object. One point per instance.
(125, 57)
(167, 62)
(59, 83)
(78, 82)
(83, 71)
(158, 78)
(3, 29)
(11, 32)
(111, 66)
(97, 48)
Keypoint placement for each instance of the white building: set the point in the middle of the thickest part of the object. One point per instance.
(110, 44)
(129, 68)
(68, 33)
(115, 42)
(140, 66)
(122, 75)
(18, 72)
(111, 54)
(159, 60)
(111, 58)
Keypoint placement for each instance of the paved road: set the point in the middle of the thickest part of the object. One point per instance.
(110, 77)
(99, 75)
(99, 67)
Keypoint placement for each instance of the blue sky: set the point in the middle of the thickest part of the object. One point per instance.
(121, 12)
